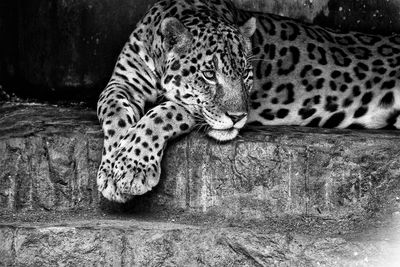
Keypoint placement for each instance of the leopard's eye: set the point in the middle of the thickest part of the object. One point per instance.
(209, 75)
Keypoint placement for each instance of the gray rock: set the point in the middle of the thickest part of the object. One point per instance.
(49, 158)
(150, 243)
(46, 156)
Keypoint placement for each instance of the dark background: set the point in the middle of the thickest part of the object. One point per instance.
(65, 50)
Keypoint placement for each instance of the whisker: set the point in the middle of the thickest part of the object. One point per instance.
(196, 130)
(201, 127)
(198, 118)
(205, 106)
(260, 59)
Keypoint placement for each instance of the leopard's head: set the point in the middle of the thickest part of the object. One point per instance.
(208, 70)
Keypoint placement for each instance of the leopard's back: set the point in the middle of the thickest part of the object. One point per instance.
(313, 76)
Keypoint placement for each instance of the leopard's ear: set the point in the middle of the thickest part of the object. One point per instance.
(249, 27)
(175, 35)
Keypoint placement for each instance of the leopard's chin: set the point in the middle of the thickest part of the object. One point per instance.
(223, 135)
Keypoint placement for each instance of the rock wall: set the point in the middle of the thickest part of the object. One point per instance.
(142, 243)
(49, 158)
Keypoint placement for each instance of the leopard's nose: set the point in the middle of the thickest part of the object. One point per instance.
(236, 116)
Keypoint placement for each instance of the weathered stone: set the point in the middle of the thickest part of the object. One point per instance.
(49, 246)
(292, 196)
(6, 248)
(45, 161)
(150, 243)
(49, 159)
(287, 171)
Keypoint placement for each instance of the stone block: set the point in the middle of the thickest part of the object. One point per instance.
(155, 243)
(49, 162)
(51, 246)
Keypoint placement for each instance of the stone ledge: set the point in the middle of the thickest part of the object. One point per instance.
(155, 243)
(49, 158)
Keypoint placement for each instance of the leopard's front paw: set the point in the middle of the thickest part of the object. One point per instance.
(131, 163)
(137, 165)
(107, 185)
(136, 178)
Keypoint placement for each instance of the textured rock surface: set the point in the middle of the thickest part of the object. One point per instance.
(146, 243)
(284, 197)
(49, 158)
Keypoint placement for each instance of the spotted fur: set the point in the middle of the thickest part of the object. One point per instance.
(193, 55)
(313, 76)
(207, 64)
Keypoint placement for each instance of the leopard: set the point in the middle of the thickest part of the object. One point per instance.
(199, 64)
